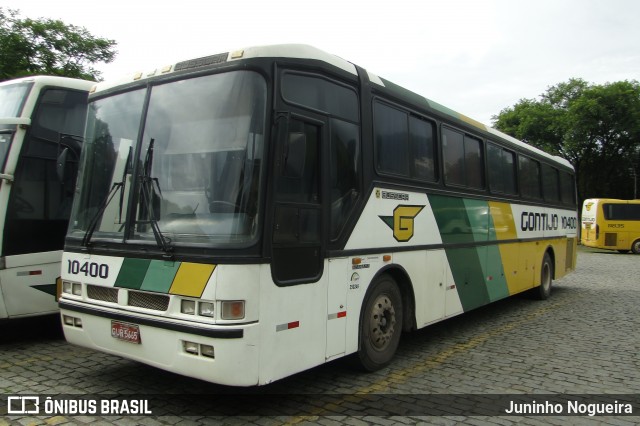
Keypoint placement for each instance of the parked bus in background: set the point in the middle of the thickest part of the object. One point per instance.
(611, 224)
(41, 128)
(249, 215)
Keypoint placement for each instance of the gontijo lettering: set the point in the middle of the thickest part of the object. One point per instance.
(531, 221)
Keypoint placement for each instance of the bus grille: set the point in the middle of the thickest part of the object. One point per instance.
(157, 302)
(610, 239)
(105, 294)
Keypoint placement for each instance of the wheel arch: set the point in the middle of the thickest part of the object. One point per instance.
(402, 279)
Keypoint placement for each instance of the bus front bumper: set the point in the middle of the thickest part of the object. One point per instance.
(225, 355)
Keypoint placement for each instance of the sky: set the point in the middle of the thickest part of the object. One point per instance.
(477, 57)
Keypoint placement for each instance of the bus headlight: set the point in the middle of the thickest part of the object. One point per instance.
(69, 287)
(205, 309)
(207, 350)
(232, 310)
(190, 347)
(76, 289)
(188, 307)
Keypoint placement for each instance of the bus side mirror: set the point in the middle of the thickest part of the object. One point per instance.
(61, 162)
(294, 155)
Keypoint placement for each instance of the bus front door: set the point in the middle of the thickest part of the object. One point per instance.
(297, 256)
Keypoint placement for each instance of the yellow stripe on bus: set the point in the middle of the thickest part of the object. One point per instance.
(505, 229)
(191, 279)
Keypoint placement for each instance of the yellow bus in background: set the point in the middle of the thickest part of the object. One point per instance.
(611, 224)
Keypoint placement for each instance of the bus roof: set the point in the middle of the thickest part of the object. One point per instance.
(49, 80)
(610, 201)
(301, 51)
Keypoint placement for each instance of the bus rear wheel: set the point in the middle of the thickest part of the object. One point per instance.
(546, 279)
(635, 247)
(380, 324)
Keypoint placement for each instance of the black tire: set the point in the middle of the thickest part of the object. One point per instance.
(380, 324)
(635, 247)
(546, 279)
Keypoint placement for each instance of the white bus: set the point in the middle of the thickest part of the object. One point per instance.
(41, 122)
(249, 215)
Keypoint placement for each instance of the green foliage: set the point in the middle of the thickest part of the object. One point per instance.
(595, 127)
(49, 47)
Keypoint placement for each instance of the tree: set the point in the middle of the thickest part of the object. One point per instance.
(49, 47)
(595, 127)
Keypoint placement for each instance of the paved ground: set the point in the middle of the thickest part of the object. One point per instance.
(584, 340)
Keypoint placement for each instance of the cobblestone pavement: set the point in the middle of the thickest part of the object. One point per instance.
(583, 340)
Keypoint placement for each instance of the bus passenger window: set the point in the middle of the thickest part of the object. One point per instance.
(529, 178)
(473, 162)
(463, 159)
(392, 140)
(502, 169)
(453, 156)
(422, 149)
(550, 183)
(567, 188)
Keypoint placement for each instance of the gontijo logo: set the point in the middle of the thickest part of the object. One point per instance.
(402, 221)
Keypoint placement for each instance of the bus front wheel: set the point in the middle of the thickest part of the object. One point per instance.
(635, 247)
(380, 324)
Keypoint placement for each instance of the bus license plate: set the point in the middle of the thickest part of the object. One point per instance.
(126, 332)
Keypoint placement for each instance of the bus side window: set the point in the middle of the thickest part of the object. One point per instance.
(298, 179)
(345, 172)
(529, 173)
(463, 159)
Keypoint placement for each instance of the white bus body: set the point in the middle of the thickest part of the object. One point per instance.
(39, 117)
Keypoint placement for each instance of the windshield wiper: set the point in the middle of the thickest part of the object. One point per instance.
(117, 186)
(147, 185)
(96, 218)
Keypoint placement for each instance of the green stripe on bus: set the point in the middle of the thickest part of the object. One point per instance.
(497, 287)
(478, 215)
(132, 273)
(466, 266)
(452, 219)
(160, 276)
(456, 225)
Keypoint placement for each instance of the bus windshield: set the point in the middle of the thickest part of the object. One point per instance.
(12, 97)
(196, 179)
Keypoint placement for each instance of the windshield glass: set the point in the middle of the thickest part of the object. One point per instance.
(112, 128)
(12, 97)
(196, 178)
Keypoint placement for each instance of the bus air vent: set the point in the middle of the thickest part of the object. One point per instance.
(105, 294)
(157, 302)
(610, 239)
(202, 62)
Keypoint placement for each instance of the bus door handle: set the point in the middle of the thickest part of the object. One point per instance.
(6, 176)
